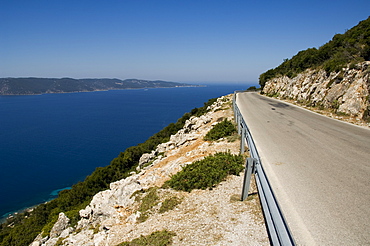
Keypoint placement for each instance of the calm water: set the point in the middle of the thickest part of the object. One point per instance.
(49, 142)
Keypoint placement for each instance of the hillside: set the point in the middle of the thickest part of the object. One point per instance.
(334, 78)
(351, 47)
(23, 228)
(32, 86)
(141, 205)
(127, 198)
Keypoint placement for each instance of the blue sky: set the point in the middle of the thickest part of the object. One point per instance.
(173, 40)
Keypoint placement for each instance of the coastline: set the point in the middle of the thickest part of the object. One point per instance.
(10, 215)
(94, 108)
(97, 90)
(53, 195)
(198, 97)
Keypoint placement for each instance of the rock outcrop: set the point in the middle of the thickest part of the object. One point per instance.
(346, 92)
(113, 215)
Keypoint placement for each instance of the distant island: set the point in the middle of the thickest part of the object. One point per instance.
(35, 86)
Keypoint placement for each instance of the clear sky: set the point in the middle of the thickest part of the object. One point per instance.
(173, 40)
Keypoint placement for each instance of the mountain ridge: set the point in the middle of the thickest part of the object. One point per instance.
(37, 86)
(334, 77)
(350, 48)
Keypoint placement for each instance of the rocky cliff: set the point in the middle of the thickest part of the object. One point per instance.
(345, 92)
(201, 217)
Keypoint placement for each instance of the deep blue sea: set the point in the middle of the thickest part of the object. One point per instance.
(49, 142)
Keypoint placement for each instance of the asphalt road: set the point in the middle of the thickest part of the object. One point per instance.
(319, 169)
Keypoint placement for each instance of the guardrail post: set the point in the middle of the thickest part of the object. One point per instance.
(238, 122)
(249, 168)
(242, 141)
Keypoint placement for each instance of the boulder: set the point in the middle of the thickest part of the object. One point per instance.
(145, 158)
(85, 213)
(59, 226)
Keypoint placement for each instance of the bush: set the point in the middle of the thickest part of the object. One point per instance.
(206, 173)
(223, 129)
(169, 204)
(158, 238)
(253, 88)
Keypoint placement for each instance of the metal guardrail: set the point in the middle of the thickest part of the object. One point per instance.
(277, 227)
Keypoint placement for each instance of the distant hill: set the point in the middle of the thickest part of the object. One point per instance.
(351, 47)
(33, 86)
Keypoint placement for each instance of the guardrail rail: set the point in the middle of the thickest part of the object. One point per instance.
(277, 227)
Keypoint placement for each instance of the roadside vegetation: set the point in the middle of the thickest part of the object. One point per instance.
(213, 169)
(154, 200)
(206, 173)
(253, 88)
(158, 238)
(349, 48)
(148, 199)
(24, 227)
(222, 130)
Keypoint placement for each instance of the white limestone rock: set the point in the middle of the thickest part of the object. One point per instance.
(145, 158)
(347, 90)
(60, 225)
(85, 213)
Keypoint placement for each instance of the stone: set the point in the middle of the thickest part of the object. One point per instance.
(100, 238)
(145, 158)
(66, 232)
(85, 213)
(50, 242)
(346, 91)
(35, 243)
(39, 240)
(163, 147)
(133, 217)
(59, 226)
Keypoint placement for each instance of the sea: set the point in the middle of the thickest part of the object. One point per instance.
(49, 142)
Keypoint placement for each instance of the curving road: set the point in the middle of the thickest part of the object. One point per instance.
(319, 169)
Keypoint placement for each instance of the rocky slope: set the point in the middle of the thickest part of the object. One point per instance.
(345, 92)
(201, 217)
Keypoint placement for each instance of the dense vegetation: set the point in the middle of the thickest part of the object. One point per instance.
(22, 229)
(253, 88)
(349, 48)
(223, 129)
(206, 173)
(30, 86)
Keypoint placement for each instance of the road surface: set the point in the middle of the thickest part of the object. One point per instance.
(319, 169)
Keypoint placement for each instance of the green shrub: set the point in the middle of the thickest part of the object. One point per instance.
(203, 110)
(149, 200)
(158, 238)
(253, 88)
(223, 129)
(206, 173)
(169, 204)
